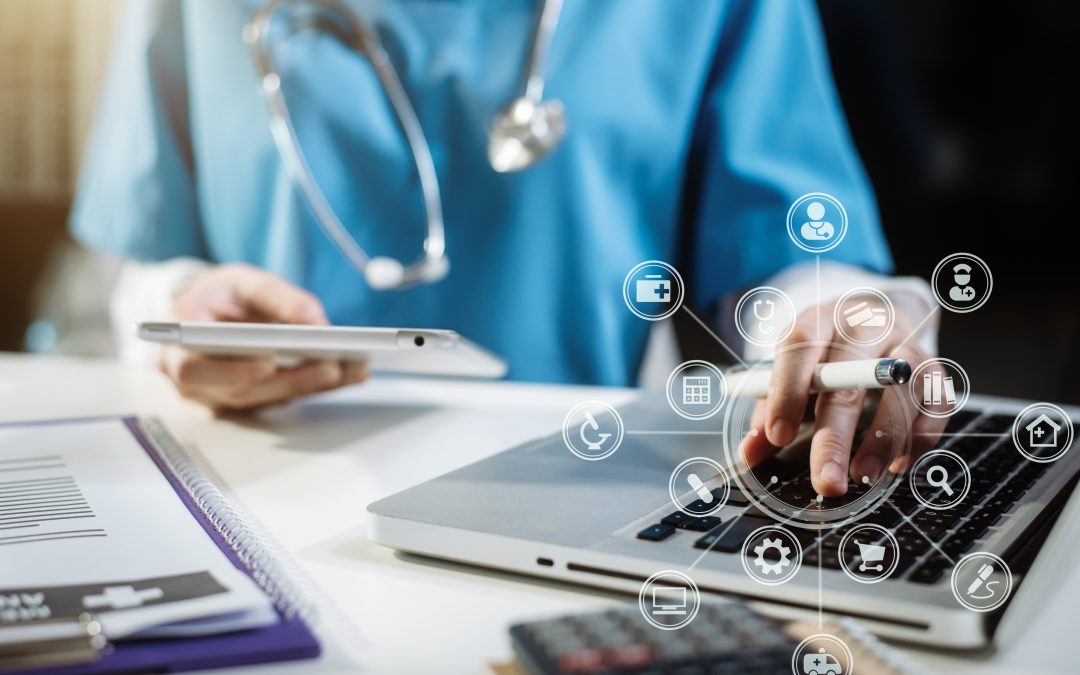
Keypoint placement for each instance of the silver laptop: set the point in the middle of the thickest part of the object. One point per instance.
(539, 510)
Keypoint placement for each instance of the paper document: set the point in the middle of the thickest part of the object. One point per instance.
(88, 522)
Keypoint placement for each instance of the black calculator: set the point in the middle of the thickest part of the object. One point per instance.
(724, 638)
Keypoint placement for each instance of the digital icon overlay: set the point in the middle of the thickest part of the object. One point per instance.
(817, 222)
(653, 290)
(696, 390)
(962, 282)
(669, 600)
(593, 430)
(981, 581)
(939, 387)
(940, 479)
(771, 555)
(1042, 432)
(764, 316)
(699, 486)
(822, 654)
(869, 553)
(864, 316)
(785, 496)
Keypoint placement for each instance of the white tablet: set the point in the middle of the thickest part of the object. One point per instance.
(391, 350)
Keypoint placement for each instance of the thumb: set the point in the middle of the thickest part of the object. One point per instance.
(277, 299)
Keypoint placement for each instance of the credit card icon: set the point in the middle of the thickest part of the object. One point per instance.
(864, 314)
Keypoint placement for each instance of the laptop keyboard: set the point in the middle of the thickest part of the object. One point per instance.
(1000, 476)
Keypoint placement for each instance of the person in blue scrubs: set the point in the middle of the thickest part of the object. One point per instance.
(692, 128)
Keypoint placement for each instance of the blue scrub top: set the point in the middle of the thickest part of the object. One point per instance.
(693, 127)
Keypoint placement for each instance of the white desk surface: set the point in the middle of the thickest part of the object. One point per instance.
(308, 471)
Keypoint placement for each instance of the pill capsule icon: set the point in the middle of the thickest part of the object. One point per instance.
(699, 487)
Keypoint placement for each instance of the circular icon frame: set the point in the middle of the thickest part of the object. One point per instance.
(962, 494)
(676, 280)
(713, 464)
(736, 425)
(941, 266)
(759, 551)
(846, 670)
(748, 296)
(885, 573)
(721, 394)
(841, 324)
(969, 558)
(802, 201)
(916, 383)
(1067, 424)
(568, 422)
(686, 581)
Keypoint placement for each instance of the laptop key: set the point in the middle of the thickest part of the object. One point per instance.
(929, 571)
(733, 538)
(735, 497)
(702, 524)
(960, 420)
(709, 540)
(676, 519)
(658, 532)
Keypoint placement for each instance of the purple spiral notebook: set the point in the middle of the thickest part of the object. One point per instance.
(289, 639)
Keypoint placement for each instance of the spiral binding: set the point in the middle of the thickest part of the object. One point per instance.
(265, 567)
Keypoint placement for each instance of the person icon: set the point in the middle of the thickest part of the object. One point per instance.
(962, 292)
(817, 228)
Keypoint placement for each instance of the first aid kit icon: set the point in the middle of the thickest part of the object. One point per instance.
(653, 288)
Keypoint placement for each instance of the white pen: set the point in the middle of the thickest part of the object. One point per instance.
(831, 376)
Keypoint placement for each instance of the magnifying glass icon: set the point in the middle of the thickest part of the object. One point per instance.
(942, 482)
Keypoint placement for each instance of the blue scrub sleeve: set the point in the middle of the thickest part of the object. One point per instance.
(770, 129)
(136, 195)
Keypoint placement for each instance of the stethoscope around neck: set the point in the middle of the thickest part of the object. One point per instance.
(526, 130)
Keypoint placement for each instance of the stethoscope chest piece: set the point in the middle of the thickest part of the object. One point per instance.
(525, 132)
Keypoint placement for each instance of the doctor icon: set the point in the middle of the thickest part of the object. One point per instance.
(817, 228)
(962, 292)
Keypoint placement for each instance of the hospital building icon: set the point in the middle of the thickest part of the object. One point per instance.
(1043, 432)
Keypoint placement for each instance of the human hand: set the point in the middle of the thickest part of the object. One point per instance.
(237, 292)
(776, 419)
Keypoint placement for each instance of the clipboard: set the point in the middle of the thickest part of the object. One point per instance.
(290, 638)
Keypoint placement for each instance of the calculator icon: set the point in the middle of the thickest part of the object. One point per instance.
(696, 390)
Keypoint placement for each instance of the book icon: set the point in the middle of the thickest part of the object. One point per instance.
(936, 387)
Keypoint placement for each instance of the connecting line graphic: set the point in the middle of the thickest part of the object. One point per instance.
(716, 337)
(820, 592)
(817, 293)
(918, 327)
(959, 433)
(928, 539)
(675, 432)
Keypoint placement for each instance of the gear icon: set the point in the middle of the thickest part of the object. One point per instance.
(772, 567)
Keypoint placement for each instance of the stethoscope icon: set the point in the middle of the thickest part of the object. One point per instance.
(762, 320)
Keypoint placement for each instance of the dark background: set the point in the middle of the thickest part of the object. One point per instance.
(963, 113)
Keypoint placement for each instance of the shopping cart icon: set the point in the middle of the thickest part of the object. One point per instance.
(871, 553)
